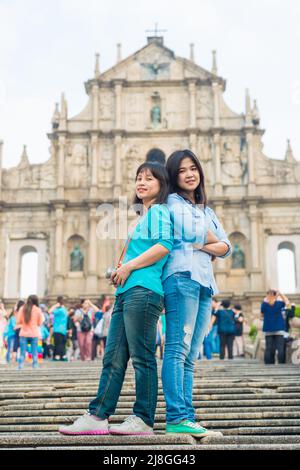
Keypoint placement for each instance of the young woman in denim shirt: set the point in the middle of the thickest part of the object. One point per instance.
(139, 302)
(189, 284)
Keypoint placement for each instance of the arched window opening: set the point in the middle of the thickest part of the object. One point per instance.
(286, 263)
(28, 272)
(156, 155)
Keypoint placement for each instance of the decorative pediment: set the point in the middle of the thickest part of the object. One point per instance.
(156, 62)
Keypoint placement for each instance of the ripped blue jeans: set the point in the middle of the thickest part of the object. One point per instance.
(188, 314)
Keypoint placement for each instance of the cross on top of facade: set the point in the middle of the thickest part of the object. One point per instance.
(156, 30)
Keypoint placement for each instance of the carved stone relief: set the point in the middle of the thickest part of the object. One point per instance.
(76, 171)
(106, 162)
(155, 65)
(106, 105)
(234, 163)
(204, 103)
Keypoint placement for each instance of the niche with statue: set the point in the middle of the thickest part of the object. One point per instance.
(238, 258)
(76, 254)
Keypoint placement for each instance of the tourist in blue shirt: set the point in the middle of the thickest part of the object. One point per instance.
(189, 284)
(139, 302)
(60, 327)
(10, 334)
(225, 318)
(272, 309)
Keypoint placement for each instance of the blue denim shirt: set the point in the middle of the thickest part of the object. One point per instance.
(190, 225)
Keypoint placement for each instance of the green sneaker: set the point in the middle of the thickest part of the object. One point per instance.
(193, 429)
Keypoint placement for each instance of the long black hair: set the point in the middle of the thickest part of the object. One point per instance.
(160, 173)
(173, 165)
(31, 301)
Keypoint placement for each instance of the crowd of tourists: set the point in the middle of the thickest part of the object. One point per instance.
(64, 334)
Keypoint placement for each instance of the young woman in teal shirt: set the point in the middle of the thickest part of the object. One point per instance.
(139, 302)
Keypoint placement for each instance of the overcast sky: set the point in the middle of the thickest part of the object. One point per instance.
(47, 47)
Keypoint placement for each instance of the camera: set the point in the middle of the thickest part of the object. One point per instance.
(109, 272)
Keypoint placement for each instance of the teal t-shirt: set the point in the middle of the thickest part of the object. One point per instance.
(60, 320)
(154, 227)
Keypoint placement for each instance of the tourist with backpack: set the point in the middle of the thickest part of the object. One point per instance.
(83, 320)
(225, 318)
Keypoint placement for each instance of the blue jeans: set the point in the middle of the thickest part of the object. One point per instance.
(132, 334)
(23, 348)
(212, 343)
(10, 345)
(188, 313)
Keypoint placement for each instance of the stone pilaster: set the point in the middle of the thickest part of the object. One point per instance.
(217, 163)
(118, 97)
(192, 97)
(92, 279)
(193, 142)
(95, 106)
(219, 263)
(94, 169)
(216, 92)
(118, 161)
(251, 163)
(59, 255)
(255, 273)
(61, 166)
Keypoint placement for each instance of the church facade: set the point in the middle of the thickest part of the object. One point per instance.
(147, 106)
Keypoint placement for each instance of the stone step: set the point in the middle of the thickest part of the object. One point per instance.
(48, 430)
(61, 440)
(80, 407)
(7, 417)
(204, 396)
(7, 424)
(149, 441)
(77, 402)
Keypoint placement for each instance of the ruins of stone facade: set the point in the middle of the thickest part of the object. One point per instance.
(151, 100)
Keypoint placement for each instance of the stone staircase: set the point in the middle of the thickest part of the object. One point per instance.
(255, 406)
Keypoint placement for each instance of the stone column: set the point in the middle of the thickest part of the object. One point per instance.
(92, 280)
(95, 106)
(61, 166)
(192, 95)
(251, 164)
(118, 162)
(1, 150)
(94, 169)
(255, 273)
(118, 96)
(217, 162)
(220, 264)
(193, 142)
(59, 255)
(216, 91)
